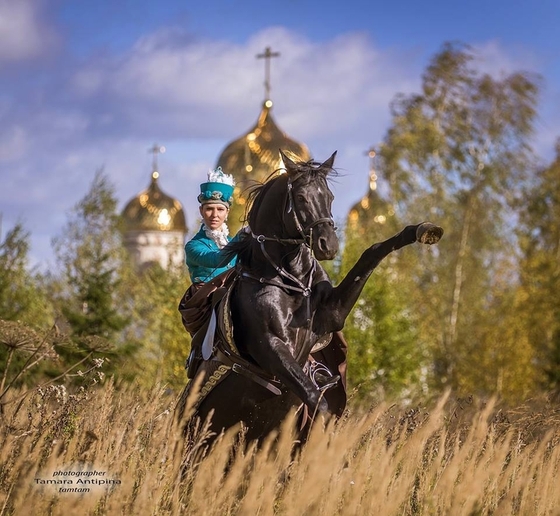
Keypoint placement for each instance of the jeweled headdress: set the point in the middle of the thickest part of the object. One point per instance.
(218, 188)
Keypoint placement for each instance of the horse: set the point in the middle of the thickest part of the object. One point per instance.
(284, 307)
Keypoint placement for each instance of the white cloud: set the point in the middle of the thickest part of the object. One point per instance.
(215, 88)
(23, 32)
(194, 97)
(494, 59)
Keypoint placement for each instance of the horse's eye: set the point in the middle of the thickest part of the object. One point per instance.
(301, 198)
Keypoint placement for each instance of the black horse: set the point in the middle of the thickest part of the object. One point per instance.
(283, 303)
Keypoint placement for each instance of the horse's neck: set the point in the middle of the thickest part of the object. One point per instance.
(302, 263)
(299, 263)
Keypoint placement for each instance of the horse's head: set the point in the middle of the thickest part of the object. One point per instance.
(308, 205)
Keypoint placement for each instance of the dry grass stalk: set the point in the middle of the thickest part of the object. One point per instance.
(388, 461)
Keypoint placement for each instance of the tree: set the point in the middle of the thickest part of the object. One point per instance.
(30, 341)
(93, 256)
(22, 296)
(92, 297)
(24, 312)
(384, 358)
(162, 341)
(455, 153)
(539, 306)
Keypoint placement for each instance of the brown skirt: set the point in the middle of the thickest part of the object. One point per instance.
(196, 304)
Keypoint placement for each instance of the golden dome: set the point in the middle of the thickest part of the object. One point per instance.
(153, 210)
(370, 209)
(255, 156)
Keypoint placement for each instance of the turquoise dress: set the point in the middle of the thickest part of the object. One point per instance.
(204, 258)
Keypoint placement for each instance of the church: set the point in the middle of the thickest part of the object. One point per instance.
(155, 223)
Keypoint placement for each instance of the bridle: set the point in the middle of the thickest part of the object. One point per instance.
(306, 239)
(306, 232)
(309, 228)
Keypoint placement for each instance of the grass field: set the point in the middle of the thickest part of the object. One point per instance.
(120, 451)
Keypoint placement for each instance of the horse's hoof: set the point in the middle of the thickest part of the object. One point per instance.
(428, 233)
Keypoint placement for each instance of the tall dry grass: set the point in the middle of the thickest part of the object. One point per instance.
(450, 459)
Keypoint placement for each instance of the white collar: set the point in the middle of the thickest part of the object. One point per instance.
(218, 236)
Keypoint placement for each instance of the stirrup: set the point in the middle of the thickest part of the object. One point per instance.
(325, 382)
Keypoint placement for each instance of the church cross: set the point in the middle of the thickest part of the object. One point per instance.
(155, 150)
(267, 55)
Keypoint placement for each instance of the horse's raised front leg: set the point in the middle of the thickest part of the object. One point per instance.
(343, 297)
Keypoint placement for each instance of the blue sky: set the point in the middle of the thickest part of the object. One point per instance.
(90, 84)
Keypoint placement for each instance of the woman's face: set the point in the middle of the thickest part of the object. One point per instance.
(214, 215)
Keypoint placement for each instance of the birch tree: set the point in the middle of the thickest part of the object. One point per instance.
(457, 153)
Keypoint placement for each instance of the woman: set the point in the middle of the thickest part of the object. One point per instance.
(204, 256)
(209, 265)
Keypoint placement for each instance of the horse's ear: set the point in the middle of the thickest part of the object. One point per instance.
(288, 163)
(329, 162)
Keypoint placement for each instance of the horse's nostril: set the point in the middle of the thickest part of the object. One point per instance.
(322, 242)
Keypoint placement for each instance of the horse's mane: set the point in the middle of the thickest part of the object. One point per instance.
(257, 193)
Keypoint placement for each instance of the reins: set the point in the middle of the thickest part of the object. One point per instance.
(303, 289)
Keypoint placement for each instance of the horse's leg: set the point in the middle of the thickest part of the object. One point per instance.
(261, 330)
(277, 359)
(342, 298)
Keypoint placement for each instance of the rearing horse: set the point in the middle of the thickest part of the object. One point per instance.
(283, 302)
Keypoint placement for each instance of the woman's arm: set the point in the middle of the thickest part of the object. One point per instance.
(199, 254)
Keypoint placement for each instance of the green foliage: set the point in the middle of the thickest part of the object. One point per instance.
(384, 359)
(163, 343)
(22, 293)
(25, 315)
(90, 294)
(539, 233)
(454, 154)
(31, 359)
(92, 254)
(499, 356)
